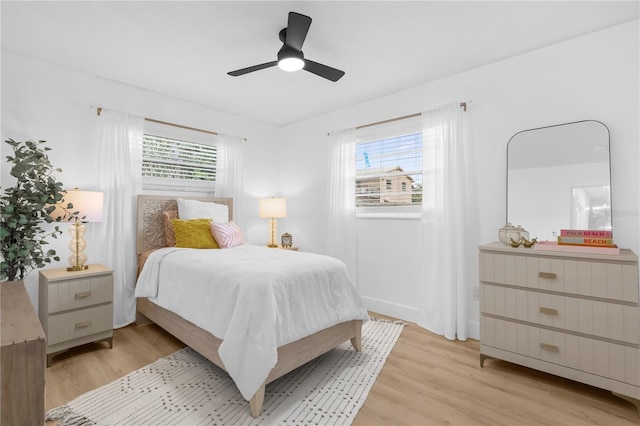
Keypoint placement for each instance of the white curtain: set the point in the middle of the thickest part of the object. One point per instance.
(230, 173)
(341, 227)
(119, 177)
(449, 258)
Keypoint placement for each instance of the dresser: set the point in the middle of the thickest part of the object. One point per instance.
(76, 307)
(571, 314)
(22, 358)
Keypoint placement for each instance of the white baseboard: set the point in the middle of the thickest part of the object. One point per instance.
(410, 314)
(405, 313)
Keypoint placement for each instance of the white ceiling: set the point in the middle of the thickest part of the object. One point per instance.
(184, 49)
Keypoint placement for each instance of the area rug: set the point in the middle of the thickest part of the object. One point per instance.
(186, 389)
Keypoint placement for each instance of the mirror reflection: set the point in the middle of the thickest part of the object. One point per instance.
(558, 177)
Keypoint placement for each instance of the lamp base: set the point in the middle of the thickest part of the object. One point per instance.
(273, 225)
(78, 268)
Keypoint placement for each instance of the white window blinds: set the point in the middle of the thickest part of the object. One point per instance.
(178, 159)
(389, 168)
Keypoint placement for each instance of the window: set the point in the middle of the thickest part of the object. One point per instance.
(178, 159)
(389, 169)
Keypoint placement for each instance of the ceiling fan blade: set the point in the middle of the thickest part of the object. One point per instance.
(323, 70)
(247, 70)
(297, 29)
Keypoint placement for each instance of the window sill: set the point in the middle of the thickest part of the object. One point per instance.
(411, 216)
(179, 185)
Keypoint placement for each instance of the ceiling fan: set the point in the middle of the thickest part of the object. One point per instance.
(290, 56)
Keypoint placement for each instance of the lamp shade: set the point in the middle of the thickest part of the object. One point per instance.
(273, 207)
(88, 204)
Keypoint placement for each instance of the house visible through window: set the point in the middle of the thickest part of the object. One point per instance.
(178, 159)
(389, 170)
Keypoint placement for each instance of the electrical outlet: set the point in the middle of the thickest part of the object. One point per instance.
(476, 293)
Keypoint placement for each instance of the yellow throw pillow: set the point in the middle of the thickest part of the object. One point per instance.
(194, 233)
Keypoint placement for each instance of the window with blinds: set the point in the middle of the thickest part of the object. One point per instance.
(177, 162)
(389, 169)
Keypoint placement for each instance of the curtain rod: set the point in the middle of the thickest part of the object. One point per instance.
(463, 105)
(153, 120)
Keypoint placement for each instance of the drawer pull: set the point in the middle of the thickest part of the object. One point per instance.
(83, 294)
(550, 275)
(548, 311)
(83, 324)
(550, 348)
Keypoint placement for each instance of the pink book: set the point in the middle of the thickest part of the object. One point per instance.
(585, 233)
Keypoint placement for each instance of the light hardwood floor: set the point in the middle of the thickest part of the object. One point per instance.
(427, 380)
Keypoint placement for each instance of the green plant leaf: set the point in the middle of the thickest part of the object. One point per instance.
(24, 207)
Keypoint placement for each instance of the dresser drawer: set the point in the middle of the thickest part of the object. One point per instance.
(80, 323)
(610, 360)
(597, 318)
(78, 293)
(607, 280)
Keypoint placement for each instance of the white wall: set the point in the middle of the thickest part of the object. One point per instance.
(42, 101)
(591, 77)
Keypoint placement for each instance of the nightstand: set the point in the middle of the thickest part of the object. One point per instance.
(76, 307)
(294, 248)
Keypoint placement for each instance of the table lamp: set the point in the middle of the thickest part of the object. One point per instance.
(273, 208)
(86, 207)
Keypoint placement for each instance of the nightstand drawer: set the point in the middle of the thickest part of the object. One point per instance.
(78, 293)
(80, 323)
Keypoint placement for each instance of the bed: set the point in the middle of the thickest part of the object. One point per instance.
(246, 364)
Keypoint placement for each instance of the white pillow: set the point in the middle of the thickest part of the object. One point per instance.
(194, 209)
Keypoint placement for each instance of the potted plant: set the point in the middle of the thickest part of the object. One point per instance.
(24, 207)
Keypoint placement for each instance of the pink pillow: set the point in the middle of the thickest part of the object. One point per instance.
(169, 232)
(227, 234)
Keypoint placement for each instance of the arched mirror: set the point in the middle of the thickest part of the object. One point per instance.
(559, 177)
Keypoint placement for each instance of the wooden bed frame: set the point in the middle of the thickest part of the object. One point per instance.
(291, 356)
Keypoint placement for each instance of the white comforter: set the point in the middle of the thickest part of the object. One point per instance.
(253, 298)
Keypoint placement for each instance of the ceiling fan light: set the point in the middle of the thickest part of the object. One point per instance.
(290, 64)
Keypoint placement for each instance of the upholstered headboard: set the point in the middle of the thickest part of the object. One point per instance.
(149, 230)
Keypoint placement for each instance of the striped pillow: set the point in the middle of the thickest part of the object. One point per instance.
(227, 234)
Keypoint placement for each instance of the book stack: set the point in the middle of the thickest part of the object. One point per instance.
(586, 237)
(581, 240)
